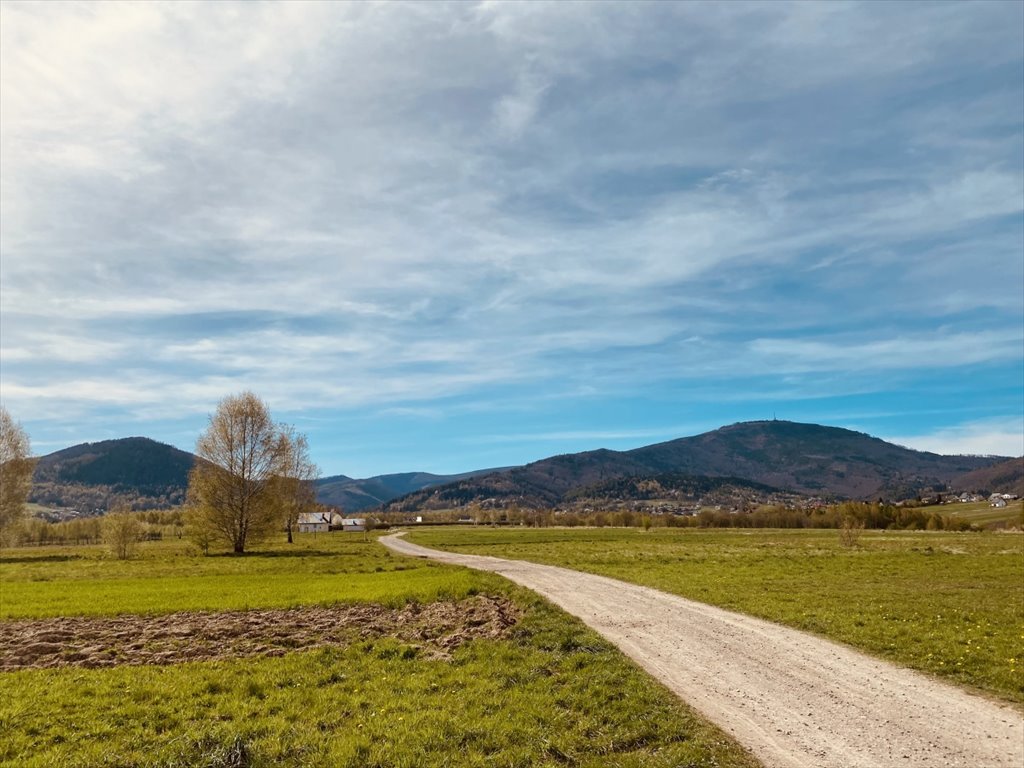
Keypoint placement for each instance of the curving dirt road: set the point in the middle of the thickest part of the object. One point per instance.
(791, 698)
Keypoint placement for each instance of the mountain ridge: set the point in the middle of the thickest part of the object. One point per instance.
(808, 459)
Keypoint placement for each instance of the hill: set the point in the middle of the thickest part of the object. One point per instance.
(97, 476)
(807, 459)
(1004, 477)
(94, 477)
(353, 495)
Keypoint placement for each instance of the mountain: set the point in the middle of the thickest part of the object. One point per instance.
(807, 459)
(1004, 477)
(97, 476)
(94, 477)
(352, 495)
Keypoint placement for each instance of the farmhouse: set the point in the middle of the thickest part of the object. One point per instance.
(353, 524)
(314, 522)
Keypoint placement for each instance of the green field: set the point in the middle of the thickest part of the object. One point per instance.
(981, 513)
(950, 604)
(549, 693)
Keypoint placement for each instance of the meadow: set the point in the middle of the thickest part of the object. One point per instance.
(549, 692)
(948, 604)
(982, 513)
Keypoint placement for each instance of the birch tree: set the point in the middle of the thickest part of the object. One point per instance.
(16, 466)
(297, 484)
(234, 486)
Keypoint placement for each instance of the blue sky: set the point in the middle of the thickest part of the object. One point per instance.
(447, 236)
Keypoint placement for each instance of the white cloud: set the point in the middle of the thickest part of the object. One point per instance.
(990, 437)
(359, 204)
(919, 351)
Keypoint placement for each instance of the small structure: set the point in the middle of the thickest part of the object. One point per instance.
(314, 522)
(999, 503)
(353, 524)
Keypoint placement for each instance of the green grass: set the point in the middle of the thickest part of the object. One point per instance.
(164, 578)
(950, 604)
(551, 694)
(982, 513)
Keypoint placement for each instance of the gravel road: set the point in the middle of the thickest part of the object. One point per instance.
(790, 698)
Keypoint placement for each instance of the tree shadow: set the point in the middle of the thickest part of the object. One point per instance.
(286, 553)
(39, 558)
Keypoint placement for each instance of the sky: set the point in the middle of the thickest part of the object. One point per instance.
(443, 237)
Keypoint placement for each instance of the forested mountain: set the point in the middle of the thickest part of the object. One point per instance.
(97, 476)
(1004, 477)
(807, 459)
(755, 457)
(146, 474)
(352, 495)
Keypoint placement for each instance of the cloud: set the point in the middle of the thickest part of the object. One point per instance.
(920, 351)
(989, 437)
(389, 206)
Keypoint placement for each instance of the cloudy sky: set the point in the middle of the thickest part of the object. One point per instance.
(447, 236)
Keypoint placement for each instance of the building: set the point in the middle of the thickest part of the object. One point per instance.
(314, 522)
(353, 524)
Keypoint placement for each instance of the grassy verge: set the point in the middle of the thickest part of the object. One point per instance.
(944, 603)
(552, 693)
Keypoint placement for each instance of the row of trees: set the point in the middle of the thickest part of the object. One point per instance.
(851, 514)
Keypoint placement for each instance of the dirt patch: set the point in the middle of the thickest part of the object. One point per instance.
(436, 629)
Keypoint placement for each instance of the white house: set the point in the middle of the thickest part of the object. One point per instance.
(353, 524)
(314, 522)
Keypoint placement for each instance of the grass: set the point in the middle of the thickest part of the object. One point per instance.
(551, 694)
(79, 581)
(950, 604)
(982, 513)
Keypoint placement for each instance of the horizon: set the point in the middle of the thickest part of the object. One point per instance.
(476, 235)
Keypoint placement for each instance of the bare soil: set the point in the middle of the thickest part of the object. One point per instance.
(791, 698)
(436, 629)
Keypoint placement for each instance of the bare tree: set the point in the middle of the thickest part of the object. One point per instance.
(297, 483)
(122, 531)
(16, 466)
(235, 484)
(198, 529)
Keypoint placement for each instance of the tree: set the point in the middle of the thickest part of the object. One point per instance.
(122, 531)
(296, 485)
(16, 466)
(240, 489)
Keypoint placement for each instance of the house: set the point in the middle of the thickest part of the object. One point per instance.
(314, 522)
(999, 503)
(353, 524)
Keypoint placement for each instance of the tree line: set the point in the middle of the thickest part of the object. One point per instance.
(849, 514)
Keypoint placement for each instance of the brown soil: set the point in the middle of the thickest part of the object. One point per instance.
(436, 629)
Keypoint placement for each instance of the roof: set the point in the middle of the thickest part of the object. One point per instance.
(313, 518)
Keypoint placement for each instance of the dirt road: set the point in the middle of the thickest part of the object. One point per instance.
(791, 698)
